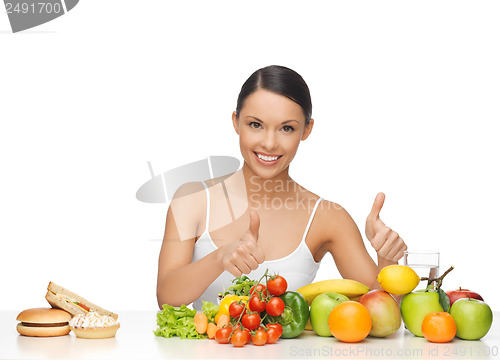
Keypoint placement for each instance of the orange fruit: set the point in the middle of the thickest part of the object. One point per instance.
(439, 327)
(350, 321)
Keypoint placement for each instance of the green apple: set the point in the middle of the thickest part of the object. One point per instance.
(321, 307)
(384, 312)
(414, 307)
(473, 318)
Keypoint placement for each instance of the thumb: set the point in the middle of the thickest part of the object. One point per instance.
(254, 224)
(377, 206)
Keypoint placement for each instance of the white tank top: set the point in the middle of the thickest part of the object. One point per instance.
(298, 268)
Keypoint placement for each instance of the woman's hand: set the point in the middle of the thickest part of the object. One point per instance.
(384, 240)
(242, 256)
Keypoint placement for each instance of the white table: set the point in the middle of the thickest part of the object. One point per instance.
(135, 340)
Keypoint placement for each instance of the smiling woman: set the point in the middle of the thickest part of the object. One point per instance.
(272, 222)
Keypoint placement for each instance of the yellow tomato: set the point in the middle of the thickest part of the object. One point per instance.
(224, 304)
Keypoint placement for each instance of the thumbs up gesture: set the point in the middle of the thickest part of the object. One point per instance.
(244, 255)
(384, 240)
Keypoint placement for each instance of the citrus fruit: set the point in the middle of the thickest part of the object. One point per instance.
(350, 321)
(439, 327)
(398, 279)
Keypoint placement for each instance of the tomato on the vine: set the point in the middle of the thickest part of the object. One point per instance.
(223, 335)
(272, 335)
(276, 326)
(277, 285)
(275, 306)
(239, 338)
(236, 308)
(258, 289)
(255, 304)
(260, 337)
(251, 321)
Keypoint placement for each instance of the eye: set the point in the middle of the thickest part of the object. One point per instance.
(254, 125)
(288, 128)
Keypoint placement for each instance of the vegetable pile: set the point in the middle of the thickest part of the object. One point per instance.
(249, 311)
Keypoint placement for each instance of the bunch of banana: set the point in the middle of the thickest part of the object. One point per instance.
(350, 288)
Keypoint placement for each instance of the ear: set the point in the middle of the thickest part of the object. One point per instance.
(235, 123)
(307, 130)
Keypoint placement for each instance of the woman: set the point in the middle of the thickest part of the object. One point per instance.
(259, 218)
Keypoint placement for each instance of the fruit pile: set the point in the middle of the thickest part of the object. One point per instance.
(429, 313)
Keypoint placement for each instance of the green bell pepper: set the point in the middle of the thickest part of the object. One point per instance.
(295, 316)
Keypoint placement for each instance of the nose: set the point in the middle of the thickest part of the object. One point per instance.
(269, 141)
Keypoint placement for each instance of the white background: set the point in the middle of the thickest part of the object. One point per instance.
(405, 101)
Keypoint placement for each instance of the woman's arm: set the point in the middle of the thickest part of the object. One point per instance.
(344, 242)
(180, 281)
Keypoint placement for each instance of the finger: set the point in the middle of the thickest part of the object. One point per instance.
(389, 245)
(251, 262)
(254, 224)
(233, 270)
(243, 267)
(258, 255)
(380, 238)
(377, 206)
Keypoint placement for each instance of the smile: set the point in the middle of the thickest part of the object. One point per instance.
(267, 158)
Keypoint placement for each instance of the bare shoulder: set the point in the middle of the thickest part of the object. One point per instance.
(333, 219)
(188, 206)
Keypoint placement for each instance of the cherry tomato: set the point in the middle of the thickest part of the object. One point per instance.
(276, 326)
(251, 321)
(260, 337)
(272, 335)
(277, 285)
(223, 335)
(247, 333)
(275, 306)
(256, 304)
(258, 289)
(236, 308)
(239, 338)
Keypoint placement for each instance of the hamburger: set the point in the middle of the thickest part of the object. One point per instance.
(43, 322)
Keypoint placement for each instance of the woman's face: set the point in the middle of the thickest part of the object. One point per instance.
(270, 127)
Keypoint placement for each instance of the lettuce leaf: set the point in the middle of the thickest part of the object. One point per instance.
(177, 321)
(210, 309)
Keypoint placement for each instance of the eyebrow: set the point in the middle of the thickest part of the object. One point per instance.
(259, 120)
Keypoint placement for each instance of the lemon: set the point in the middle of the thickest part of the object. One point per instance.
(398, 279)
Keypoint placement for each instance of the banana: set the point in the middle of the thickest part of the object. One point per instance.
(350, 288)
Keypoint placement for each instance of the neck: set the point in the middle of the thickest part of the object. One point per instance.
(274, 187)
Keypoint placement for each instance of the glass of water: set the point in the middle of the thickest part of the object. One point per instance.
(425, 263)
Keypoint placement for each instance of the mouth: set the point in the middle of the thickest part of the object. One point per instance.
(267, 159)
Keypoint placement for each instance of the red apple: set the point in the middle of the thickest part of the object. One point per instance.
(384, 312)
(460, 293)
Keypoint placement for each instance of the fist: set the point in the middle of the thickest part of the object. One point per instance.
(242, 256)
(384, 240)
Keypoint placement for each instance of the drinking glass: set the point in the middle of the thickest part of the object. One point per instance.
(425, 263)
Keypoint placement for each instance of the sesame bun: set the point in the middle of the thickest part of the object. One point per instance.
(96, 333)
(43, 322)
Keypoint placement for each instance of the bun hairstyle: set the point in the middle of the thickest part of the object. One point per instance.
(280, 80)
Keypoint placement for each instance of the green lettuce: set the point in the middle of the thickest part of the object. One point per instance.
(210, 309)
(177, 321)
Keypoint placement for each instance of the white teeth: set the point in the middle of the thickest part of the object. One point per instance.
(267, 158)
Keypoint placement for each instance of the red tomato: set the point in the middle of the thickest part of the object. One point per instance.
(275, 306)
(251, 321)
(223, 335)
(259, 338)
(255, 304)
(272, 335)
(277, 285)
(236, 308)
(276, 326)
(258, 289)
(247, 333)
(239, 338)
